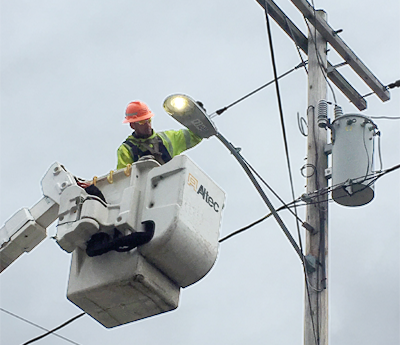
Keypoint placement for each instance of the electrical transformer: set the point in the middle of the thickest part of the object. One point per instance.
(352, 159)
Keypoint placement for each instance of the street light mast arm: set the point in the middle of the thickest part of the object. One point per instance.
(241, 161)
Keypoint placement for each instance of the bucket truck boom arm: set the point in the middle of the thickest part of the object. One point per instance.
(27, 227)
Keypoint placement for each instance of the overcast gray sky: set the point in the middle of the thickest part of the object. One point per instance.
(68, 70)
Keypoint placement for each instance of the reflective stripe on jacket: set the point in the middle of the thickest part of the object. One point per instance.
(162, 145)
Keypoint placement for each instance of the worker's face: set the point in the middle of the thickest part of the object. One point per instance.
(142, 129)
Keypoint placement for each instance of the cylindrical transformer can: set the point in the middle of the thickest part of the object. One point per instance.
(352, 159)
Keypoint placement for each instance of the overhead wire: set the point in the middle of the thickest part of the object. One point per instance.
(384, 117)
(283, 126)
(315, 334)
(253, 179)
(222, 110)
(279, 99)
(54, 329)
(301, 122)
(291, 204)
(372, 178)
(367, 156)
(378, 134)
(393, 168)
(237, 232)
(295, 203)
(38, 326)
(280, 199)
(308, 199)
(294, 40)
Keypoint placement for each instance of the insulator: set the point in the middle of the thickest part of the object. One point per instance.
(338, 111)
(322, 113)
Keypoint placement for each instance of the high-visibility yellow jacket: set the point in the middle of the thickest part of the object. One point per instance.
(162, 145)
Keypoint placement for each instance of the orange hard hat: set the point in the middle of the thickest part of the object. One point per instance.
(137, 111)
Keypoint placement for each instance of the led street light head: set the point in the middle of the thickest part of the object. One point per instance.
(190, 114)
(179, 103)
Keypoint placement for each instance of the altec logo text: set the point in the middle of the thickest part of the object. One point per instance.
(192, 181)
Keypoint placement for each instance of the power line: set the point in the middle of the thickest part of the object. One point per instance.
(54, 329)
(36, 325)
(316, 336)
(294, 40)
(222, 110)
(237, 232)
(372, 178)
(279, 99)
(247, 227)
(245, 167)
(304, 199)
(292, 204)
(295, 203)
(385, 117)
(300, 123)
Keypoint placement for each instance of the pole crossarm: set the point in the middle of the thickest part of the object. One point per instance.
(343, 49)
(302, 42)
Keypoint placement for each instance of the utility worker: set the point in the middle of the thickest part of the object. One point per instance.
(145, 141)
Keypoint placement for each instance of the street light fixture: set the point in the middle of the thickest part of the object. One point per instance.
(193, 116)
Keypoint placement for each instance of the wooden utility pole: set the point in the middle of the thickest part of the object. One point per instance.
(316, 292)
(319, 71)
